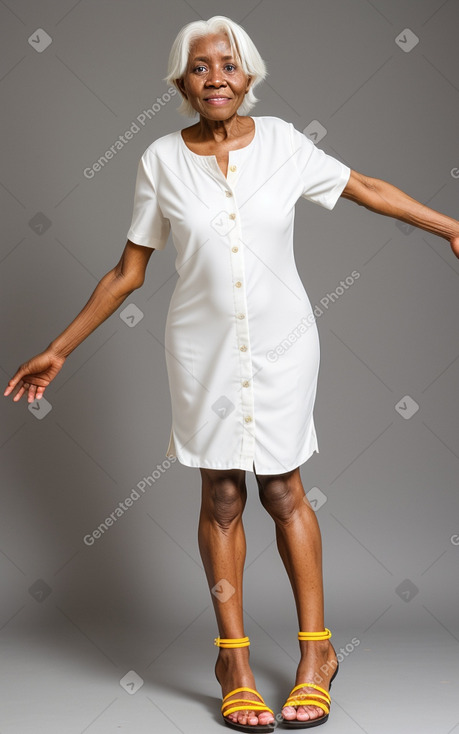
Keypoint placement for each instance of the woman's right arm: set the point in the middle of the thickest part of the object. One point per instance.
(35, 375)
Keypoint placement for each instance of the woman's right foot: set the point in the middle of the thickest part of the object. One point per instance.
(232, 670)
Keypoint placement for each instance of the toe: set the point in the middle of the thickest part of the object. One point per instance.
(301, 713)
(265, 718)
(317, 711)
(289, 713)
(251, 718)
(244, 718)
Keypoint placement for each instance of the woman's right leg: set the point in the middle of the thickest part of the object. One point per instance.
(222, 546)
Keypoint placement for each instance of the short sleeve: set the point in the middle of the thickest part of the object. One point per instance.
(322, 176)
(148, 225)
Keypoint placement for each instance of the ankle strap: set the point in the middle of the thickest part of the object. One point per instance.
(324, 635)
(232, 641)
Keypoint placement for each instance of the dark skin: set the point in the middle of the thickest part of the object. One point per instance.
(217, 126)
(213, 70)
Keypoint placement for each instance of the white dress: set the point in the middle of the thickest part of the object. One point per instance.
(242, 347)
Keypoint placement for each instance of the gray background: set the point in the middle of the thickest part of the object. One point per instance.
(74, 619)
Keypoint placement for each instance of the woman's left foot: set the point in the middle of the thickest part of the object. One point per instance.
(317, 665)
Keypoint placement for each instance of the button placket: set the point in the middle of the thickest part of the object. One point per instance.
(241, 319)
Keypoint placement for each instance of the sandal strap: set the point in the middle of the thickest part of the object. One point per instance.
(228, 707)
(237, 690)
(307, 701)
(243, 704)
(311, 685)
(232, 642)
(300, 700)
(323, 635)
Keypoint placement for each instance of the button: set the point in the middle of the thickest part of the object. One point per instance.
(233, 168)
(246, 383)
(240, 315)
(229, 193)
(234, 249)
(243, 348)
(248, 419)
(232, 215)
(238, 284)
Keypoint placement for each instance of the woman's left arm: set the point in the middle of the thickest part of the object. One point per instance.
(383, 198)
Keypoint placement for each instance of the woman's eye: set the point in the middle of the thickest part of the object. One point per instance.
(231, 66)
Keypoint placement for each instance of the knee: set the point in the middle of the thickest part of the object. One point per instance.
(224, 496)
(280, 496)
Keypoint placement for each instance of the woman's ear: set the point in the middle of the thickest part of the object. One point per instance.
(181, 87)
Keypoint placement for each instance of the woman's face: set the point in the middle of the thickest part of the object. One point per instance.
(213, 71)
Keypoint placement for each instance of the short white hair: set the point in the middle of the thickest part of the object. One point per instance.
(242, 47)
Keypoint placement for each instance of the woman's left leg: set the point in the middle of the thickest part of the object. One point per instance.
(300, 547)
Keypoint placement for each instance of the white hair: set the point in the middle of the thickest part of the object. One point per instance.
(242, 47)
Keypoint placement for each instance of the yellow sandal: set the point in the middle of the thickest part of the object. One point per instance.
(242, 704)
(321, 699)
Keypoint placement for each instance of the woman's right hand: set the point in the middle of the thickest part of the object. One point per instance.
(34, 376)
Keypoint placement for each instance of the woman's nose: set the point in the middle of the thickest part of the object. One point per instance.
(215, 77)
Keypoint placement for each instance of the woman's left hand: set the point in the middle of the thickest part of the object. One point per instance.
(454, 242)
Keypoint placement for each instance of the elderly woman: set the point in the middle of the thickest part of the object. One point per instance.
(226, 189)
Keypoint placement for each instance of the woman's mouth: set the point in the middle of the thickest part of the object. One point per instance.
(217, 101)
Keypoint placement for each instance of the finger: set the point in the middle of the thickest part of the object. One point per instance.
(32, 393)
(14, 380)
(40, 391)
(19, 394)
(11, 385)
(23, 387)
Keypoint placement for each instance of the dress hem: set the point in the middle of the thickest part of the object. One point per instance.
(248, 465)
